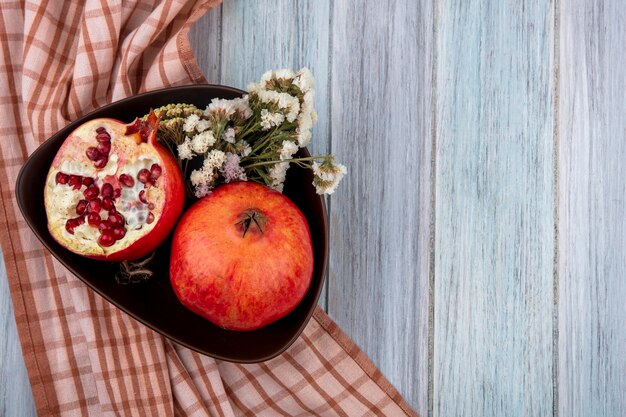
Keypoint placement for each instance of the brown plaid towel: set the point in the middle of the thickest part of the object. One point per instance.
(85, 357)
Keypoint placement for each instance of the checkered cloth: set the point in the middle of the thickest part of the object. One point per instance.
(84, 356)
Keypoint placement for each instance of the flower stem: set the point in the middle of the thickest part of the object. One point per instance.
(308, 158)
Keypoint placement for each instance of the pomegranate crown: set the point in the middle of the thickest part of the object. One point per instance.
(144, 129)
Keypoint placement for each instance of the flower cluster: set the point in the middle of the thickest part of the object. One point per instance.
(252, 138)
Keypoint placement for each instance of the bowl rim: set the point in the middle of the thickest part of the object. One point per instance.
(21, 202)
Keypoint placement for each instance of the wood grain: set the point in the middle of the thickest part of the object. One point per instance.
(592, 209)
(493, 286)
(381, 129)
(16, 398)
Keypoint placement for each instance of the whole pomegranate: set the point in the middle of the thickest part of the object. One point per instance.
(112, 191)
(242, 256)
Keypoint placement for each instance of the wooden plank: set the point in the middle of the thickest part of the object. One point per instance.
(205, 38)
(259, 36)
(16, 398)
(381, 129)
(592, 209)
(493, 285)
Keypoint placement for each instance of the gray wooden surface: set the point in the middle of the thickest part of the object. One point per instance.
(478, 242)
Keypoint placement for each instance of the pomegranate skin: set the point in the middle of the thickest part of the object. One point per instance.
(242, 282)
(171, 187)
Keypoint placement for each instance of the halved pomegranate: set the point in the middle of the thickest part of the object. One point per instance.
(112, 191)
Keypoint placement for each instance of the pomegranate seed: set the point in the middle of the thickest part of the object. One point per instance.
(91, 192)
(118, 233)
(142, 196)
(104, 147)
(101, 161)
(127, 180)
(81, 219)
(61, 178)
(93, 219)
(151, 206)
(117, 192)
(150, 218)
(107, 190)
(106, 239)
(143, 176)
(101, 130)
(104, 226)
(94, 205)
(87, 181)
(75, 180)
(81, 207)
(116, 219)
(107, 202)
(155, 171)
(103, 137)
(92, 153)
(70, 224)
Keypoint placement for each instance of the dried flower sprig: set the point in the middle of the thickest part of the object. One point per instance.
(251, 138)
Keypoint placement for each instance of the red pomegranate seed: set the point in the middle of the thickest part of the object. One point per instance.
(118, 233)
(151, 206)
(104, 147)
(81, 219)
(93, 219)
(104, 226)
(107, 202)
(103, 137)
(107, 190)
(143, 176)
(75, 180)
(116, 219)
(101, 162)
(106, 239)
(142, 196)
(117, 192)
(70, 224)
(81, 207)
(100, 130)
(155, 171)
(92, 153)
(61, 178)
(150, 218)
(87, 181)
(127, 180)
(94, 205)
(91, 192)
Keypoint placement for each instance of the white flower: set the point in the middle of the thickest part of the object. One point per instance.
(203, 125)
(279, 74)
(190, 122)
(304, 80)
(285, 101)
(231, 169)
(269, 120)
(303, 137)
(202, 141)
(184, 150)
(243, 148)
(242, 107)
(202, 190)
(197, 177)
(327, 176)
(213, 160)
(284, 73)
(229, 135)
(288, 149)
(278, 173)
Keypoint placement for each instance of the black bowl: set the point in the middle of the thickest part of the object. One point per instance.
(154, 303)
